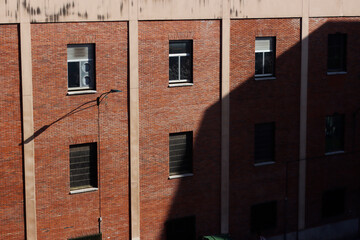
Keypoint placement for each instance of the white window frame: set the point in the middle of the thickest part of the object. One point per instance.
(272, 46)
(83, 61)
(178, 56)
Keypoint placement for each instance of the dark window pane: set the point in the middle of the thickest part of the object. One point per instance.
(263, 216)
(269, 63)
(73, 74)
(264, 142)
(90, 237)
(180, 47)
(337, 52)
(186, 68)
(334, 133)
(258, 63)
(333, 203)
(181, 229)
(174, 68)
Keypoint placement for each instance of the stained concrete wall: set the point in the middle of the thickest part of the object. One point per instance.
(117, 10)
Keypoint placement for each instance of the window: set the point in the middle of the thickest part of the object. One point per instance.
(337, 52)
(180, 152)
(80, 59)
(90, 237)
(180, 62)
(264, 142)
(264, 57)
(181, 228)
(333, 203)
(83, 166)
(263, 216)
(334, 133)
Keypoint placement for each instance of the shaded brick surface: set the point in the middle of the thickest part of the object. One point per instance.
(165, 110)
(329, 94)
(260, 101)
(11, 163)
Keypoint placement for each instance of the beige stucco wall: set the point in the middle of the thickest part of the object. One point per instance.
(64, 10)
(117, 10)
(323, 8)
(265, 8)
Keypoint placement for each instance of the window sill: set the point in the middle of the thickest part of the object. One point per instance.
(83, 190)
(181, 176)
(264, 78)
(263, 163)
(336, 73)
(81, 92)
(180, 84)
(334, 153)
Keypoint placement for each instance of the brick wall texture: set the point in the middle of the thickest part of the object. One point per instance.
(61, 120)
(11, 164)
(165, 110)
(329, 94)
(260, 101)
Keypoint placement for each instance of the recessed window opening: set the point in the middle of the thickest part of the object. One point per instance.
(180, 153)
(264, 57)
(180, 61)
(83, 166)
(81, 65)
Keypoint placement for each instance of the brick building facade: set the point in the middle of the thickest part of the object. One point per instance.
(218, 128)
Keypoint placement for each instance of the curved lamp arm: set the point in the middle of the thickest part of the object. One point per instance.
(100, 98)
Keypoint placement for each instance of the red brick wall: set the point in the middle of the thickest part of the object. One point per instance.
(165, 110)
(11, 164)
(59, 214)
(329, 94)
(259, 101)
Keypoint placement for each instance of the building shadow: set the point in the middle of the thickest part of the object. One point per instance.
(278, 101)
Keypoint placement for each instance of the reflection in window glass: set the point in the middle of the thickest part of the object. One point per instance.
(180, 61)
(334, 133)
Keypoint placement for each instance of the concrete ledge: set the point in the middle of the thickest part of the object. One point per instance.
(81, 92)
(83, 190)
(181, 176)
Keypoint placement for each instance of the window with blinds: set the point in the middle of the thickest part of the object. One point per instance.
(80, 60)
(264, 57)
(337, 52)
(264, 149)
(83, 166)
(180, 153)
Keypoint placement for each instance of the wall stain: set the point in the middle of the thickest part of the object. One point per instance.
(63, 11)
(101, 17)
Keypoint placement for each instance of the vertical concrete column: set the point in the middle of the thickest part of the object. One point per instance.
(225, 115)
(134, 120)
(303, 112)
(28, 129)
